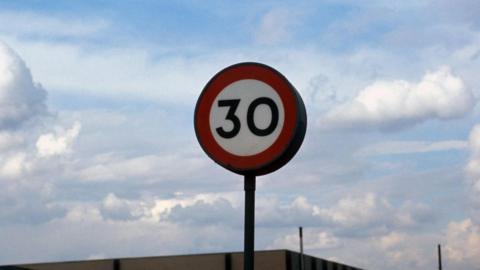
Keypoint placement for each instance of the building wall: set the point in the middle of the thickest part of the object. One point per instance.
(264, 260)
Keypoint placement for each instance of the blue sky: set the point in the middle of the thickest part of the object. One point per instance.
(98, 155)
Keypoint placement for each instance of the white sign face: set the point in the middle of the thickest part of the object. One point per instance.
(247, 117)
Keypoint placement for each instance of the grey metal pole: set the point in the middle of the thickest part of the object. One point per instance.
(302, 263)
(248, 255)
(439, 257)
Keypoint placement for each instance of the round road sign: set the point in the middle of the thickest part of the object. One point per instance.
(250, 119)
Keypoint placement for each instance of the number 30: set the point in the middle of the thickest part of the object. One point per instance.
(232, 105)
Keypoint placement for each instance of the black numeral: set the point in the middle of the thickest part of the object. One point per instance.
(251, 113)
(232, 105)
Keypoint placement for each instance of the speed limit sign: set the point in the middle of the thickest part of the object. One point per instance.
(250, 119)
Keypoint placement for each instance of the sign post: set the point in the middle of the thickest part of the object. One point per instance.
(249, 229)
(250, 120)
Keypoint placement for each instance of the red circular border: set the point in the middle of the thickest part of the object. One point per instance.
(226, 77)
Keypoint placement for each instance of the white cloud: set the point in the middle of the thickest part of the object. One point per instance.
(463, 242)
(472, 170)
(83, 214)
(99, 256)
(29, 24)
(315, 240)
(347, 216)
(275, 25)
(20, 98)
(114, 207)
(375, 215)
(388, 105)
(89, 234)
(363, 211)
(10, 140)
(399, 251)
(111, 167)
(411, 147)
(367, 214)
(473, 166)
(51, 144)
(26, 191)
(122, 73)
(15, 165)
(221, 211)
(412, 214)
(390, 240)
(162, 208)
(392, 249)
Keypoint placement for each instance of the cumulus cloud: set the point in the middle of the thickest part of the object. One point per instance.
(220, 211)
(25, 192)
(473, 166)
(411, 147)
(114, 168)
(203, 209)
(58, 143)
(369, 213)
(87, 233)
(463, 242)
(463, 237)
(317, 239)
(360, 213)
(10, 140)
(123, 73)
(116, 208)
(32, 210)
(391, 250)
(274, 213)
(20, 98)
(29, 24)
(275, 25)
(472, 170)
(389, 105)
(390, 240)
(22, 155)
(366, 214)
(162, 208)
(15, 165)
(399, 251)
